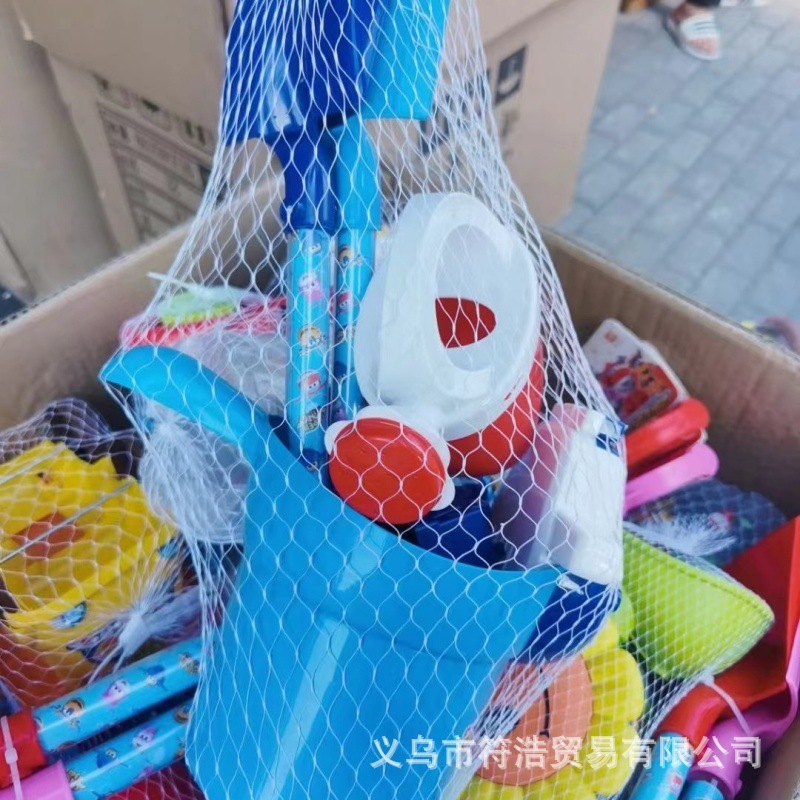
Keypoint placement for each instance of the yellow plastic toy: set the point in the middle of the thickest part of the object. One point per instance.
(599, 695)
(79, 547)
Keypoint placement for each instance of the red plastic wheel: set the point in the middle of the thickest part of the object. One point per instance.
(387, 471)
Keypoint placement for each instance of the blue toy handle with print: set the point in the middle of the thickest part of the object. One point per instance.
(130, 757)
(397, 658)
(105, 703)
(307, 399)
(307, 92)
(357, 188)
(665, 777)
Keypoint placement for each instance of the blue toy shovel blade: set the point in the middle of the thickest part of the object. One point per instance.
(403, 61)
(294, 65)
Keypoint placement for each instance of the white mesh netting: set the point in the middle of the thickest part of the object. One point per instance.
(92, 580)
(365, 412)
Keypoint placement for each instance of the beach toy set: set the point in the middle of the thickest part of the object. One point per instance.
(417, 531)
(385, 580)
(496, 613)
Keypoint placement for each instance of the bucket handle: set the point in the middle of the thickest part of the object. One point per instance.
(182, 384)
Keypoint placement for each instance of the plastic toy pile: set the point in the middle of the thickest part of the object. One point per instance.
(92, 580)
(367, 536)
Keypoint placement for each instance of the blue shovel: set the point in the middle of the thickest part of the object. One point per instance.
(289, 72)
(398, 82)
(304, 77)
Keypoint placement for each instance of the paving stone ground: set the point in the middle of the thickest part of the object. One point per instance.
(691, 173)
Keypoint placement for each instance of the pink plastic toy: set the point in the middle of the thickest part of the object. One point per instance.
(767, 721)
(51, 783)
(698, 463)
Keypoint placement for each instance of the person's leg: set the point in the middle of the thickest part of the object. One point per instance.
(692, 25)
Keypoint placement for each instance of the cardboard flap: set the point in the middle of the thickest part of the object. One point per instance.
(169, 51)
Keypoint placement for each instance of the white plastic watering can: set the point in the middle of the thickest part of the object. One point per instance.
(390, 462)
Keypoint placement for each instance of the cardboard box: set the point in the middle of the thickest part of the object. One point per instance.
(142, 80)
(545, 68)
(173, 65)
(52, 231)
(752, 389)
(170, 51)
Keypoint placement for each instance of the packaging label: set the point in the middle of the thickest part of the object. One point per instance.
(507, 95)
(164, 180)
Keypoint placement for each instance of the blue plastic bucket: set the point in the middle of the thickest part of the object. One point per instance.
(338, 633)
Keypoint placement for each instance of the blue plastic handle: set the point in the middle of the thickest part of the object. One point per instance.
(129, 757)
(118, 697)
(356, 184)
(185, 386)
(665, 776)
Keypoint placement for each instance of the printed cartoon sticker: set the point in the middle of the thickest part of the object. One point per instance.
(311, 287)
(71, 710)
(144, 737)
(345, 334)
(116, 692)
(106, 757)
(154, 676)
(75, 781)
(344, 302)
(346, 258)
(71, 618)
(310, 338)
(189, 663)
(311, 383)
(310, 421)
